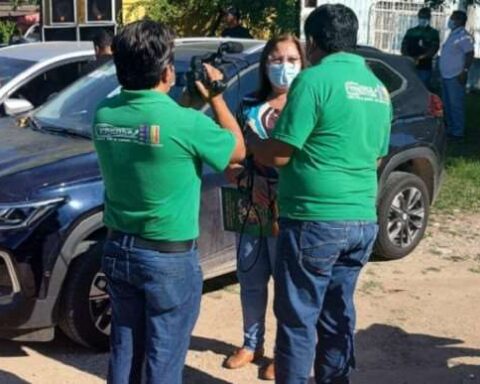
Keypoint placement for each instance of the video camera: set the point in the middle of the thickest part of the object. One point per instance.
(217, 59)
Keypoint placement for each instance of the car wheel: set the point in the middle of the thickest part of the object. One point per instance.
(85, 307)
(402, 215)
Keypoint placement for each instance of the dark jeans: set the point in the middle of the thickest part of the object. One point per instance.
(454, 94)
(155, 304)
(316, 271)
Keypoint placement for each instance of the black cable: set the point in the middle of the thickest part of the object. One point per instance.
(250, 177)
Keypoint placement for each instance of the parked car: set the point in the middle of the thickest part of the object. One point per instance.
(51, 194)
(31, 73)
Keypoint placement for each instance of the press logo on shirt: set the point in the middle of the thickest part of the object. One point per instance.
(143, 135)
(356, 91)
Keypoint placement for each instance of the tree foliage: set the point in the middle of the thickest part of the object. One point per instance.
(7, 29)
(202, 17)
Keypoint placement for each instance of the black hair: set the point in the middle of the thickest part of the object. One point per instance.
(461, 17)
(333, 28)
(232, 10)
(425, 13)
(103, 39)
(141, 52)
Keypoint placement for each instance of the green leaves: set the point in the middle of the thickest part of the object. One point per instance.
(7, 29)
(201, 17)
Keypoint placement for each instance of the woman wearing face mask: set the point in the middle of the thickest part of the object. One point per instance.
(281, 61)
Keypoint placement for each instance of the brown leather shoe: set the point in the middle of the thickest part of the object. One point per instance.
(267, 372)
(241, 357)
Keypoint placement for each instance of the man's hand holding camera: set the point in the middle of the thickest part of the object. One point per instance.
(207, 91)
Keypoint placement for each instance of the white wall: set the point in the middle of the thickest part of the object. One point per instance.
(361, 8)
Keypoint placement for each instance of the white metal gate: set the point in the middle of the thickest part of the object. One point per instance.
(390, 19)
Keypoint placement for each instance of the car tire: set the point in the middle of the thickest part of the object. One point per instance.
(403, 211)
(84, 297)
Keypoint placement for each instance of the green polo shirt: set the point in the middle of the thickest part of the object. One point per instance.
(338, 119)
(151, 151)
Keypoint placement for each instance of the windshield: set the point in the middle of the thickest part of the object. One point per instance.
(73, 109)
(10, 67)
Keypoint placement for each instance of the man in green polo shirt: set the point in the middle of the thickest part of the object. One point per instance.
(151, 152)
(327, 142)
(421, 43)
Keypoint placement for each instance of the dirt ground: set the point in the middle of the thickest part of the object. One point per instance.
(418, 323)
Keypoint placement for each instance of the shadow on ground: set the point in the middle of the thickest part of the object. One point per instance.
(8, 378)
(386, 354)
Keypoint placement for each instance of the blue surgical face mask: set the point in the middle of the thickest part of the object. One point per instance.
(423, 22)
(282, 75)
(451, 24)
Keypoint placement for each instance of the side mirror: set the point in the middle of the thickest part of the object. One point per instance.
(15, 107)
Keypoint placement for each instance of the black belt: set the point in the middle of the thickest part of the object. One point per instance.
(161, 246)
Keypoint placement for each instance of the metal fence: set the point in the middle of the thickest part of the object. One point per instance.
(383, 23)
(390, 20)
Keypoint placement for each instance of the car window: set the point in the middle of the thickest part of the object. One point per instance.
(392, 81)
(10, 67)
(75, 107)
(44, 85)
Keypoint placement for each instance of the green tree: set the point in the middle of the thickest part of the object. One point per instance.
(203, 17)
(7, 29)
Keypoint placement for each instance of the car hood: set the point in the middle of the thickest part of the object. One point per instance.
(24, 154)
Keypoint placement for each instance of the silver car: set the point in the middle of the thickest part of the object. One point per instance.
(31, 73)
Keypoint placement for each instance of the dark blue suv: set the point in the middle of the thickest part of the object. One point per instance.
(51, 194)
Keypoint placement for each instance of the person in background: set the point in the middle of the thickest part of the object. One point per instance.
(232, 18)
(456, 59)
(327, 143)
(150, 151)
(102, 43)
(282, 60)
(421, 44)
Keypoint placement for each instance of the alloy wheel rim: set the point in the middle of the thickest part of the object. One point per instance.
(99, 304)
(406, 218)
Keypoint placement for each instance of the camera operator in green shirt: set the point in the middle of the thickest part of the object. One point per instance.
(151, 152)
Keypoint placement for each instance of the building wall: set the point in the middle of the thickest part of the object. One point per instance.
(361, 7)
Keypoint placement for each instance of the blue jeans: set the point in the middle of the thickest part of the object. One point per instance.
(155, 304)
(426, 76)
(317, 267)
(454, 104)
(256, 260)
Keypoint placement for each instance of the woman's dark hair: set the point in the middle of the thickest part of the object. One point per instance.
(333, 28)
(265, 84)
(141, 52)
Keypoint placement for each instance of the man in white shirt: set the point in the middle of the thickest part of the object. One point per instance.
(455, 60)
